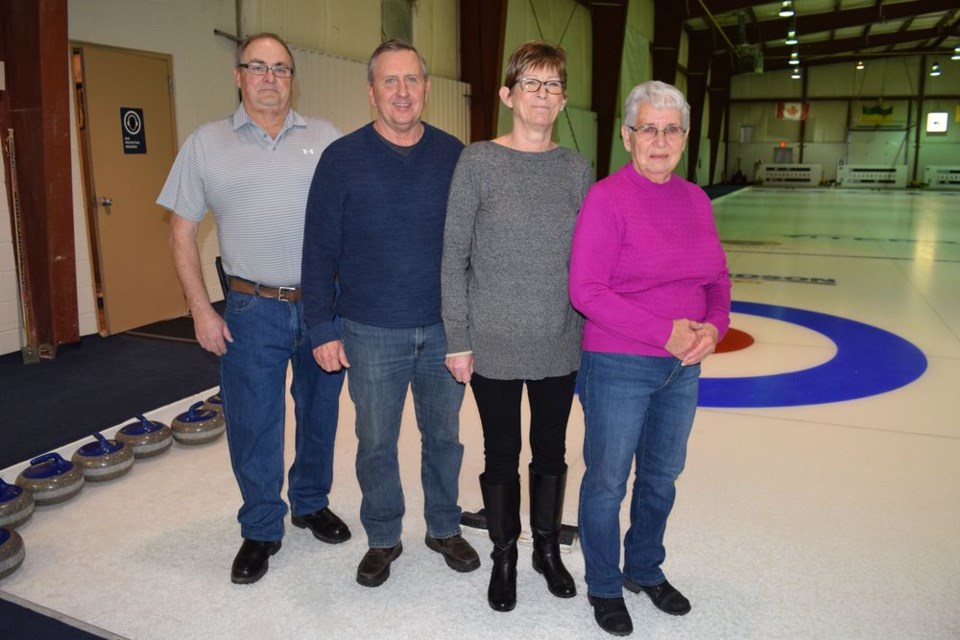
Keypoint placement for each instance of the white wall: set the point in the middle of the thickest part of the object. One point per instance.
(352, 28)
(836, 95)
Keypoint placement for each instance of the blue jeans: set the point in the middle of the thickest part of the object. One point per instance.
(267, 335)
(636, 408)
(384, 363)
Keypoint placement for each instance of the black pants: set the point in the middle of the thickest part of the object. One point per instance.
(498, 402)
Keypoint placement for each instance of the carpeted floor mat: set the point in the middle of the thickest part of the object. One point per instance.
(92, 383)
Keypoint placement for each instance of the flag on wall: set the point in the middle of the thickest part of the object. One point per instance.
(876, 114)
(792, 110)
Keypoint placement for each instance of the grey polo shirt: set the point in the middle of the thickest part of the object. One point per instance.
(255, 186)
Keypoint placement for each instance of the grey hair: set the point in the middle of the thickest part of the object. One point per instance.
(246, 42)
(394, 45)
(658, 95)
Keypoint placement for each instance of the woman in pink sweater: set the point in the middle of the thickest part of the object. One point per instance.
(648, 273)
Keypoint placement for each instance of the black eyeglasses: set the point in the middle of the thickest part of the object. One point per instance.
(532, 85)
(648, 132)
(260, 69)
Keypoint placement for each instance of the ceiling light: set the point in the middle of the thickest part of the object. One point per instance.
(786, 9)
(935, 69)
(791, 37)
(956, 53)
(794, 57)
(796, 74)
(860, 65)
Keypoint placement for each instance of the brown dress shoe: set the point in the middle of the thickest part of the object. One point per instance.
(458, 553)
(252, 561)
(325, 525)
(374, 569)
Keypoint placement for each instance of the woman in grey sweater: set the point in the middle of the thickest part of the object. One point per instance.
(512, 207)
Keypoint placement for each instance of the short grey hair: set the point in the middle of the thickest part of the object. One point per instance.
(246, 42)
(394, 45)
(658, 95)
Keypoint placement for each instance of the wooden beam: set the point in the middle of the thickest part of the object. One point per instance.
(609, 24)
(37, 109)
(482, 24)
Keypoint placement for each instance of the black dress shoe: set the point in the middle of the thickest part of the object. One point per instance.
(374, 569)
(612, 615)
(458, 553)
(252, 561)
(325, 525)
(664, 596)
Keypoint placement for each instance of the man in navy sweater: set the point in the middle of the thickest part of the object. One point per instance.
(374, 229)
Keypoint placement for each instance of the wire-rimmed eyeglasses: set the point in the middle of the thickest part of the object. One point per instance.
(260, 69)
(648, 132)
(532, 85)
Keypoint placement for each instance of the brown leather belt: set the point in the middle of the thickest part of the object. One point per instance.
(284, 294)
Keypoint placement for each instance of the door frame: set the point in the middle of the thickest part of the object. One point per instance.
(84, 150)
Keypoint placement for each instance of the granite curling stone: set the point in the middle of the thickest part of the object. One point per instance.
(215, 403)
(104, 459)
(12, 552)
(198, 425)
(16, 505)
(146, 438)
(51, 479)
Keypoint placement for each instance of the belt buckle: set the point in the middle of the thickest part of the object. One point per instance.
(283, 292)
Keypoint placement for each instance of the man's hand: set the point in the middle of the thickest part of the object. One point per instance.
(461, 367)
(211, 331)
(331, 357)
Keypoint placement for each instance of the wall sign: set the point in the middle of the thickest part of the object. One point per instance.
(131, 126)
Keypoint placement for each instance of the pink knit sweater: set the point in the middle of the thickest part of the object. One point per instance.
(643, 255)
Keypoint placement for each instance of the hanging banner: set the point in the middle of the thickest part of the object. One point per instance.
(876, 114)
(792, 110)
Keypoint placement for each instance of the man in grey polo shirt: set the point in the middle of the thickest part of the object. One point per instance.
(253, 172)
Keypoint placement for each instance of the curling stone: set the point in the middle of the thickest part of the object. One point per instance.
(11, 552)
(104, 459)
(147, 438)
(51, 479)
(215, 403)
(198, 425)
(16, 505)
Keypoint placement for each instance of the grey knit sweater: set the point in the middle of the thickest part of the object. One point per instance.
(506, 251)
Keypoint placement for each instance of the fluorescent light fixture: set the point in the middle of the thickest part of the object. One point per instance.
(786, 9)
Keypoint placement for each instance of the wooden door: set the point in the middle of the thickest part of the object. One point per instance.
(129, 142)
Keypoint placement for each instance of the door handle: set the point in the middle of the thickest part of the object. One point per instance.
(106, 202)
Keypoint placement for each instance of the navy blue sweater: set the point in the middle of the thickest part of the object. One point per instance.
(374, 224)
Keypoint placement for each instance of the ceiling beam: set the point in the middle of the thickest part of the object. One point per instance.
(830, 21)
